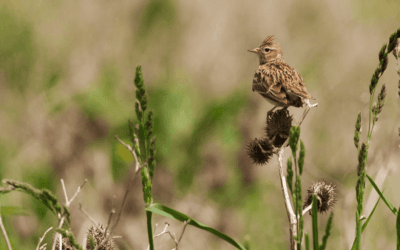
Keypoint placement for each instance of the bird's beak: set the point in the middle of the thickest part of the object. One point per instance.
(256, 50)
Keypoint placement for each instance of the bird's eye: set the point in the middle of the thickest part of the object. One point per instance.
(266, 50)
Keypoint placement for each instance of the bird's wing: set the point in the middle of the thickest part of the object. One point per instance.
(292, 81)
(268, 85)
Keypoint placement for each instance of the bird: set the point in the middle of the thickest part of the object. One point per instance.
(276, 81)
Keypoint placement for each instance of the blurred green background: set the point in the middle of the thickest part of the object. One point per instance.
(66, 89)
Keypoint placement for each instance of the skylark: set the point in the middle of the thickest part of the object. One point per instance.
(280, 84)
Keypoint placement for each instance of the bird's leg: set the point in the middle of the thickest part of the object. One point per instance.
(309, 106)
(269, 112)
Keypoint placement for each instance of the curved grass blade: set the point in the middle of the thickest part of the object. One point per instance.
(366, 222)
(369, 217)
(173, 214)
(398, 230)
(327, 232)
(390, 206)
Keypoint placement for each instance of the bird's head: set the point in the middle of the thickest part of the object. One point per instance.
(268, 50)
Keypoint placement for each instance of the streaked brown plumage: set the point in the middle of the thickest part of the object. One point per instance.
(275, 80)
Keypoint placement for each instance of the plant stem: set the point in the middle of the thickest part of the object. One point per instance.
(315, 222)
(307, 242)
(3, 229)
(288, 205)
(149, 216)
(358, 231)
(289, 209)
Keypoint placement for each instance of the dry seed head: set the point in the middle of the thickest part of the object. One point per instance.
(65, 244)
(399, 82)
(396, 50)
(356, 138)
(326, 195)
(260, 150)
(362, 155)
(99, 235)
(357, 132)
(374, 79)
(384, 64)
(359, 122)
(381, 99)
(362, 152)
(374, 107)
(382, 94)
(393, 40)
(382, 52)
(278, 127)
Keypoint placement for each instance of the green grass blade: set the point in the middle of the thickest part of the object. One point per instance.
(302, 155)
(358, 232)
(390, 206)
(366, 222)
(327, 232)
(315, 222)
(173, 214)
(369, 217)
(398, 230)
(307, 241)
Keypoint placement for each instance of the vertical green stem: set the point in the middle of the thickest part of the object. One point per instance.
(358, 231)
(307, 241)
(398, 229)
(146, 183)
(149, 216)
(143, 136)
(315, 222)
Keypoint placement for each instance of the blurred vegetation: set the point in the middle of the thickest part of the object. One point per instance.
(66, 89)
(17, 50)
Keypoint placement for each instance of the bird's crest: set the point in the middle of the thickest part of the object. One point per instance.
(268, 41)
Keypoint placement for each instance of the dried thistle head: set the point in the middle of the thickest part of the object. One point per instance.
(260, 150)
(278, 126)
(99, 234)
(325, 193)
(65, 244)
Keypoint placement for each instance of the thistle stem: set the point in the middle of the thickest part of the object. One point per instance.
(288, 205)
(289, 208)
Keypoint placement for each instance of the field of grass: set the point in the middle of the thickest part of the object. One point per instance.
(66, 91)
